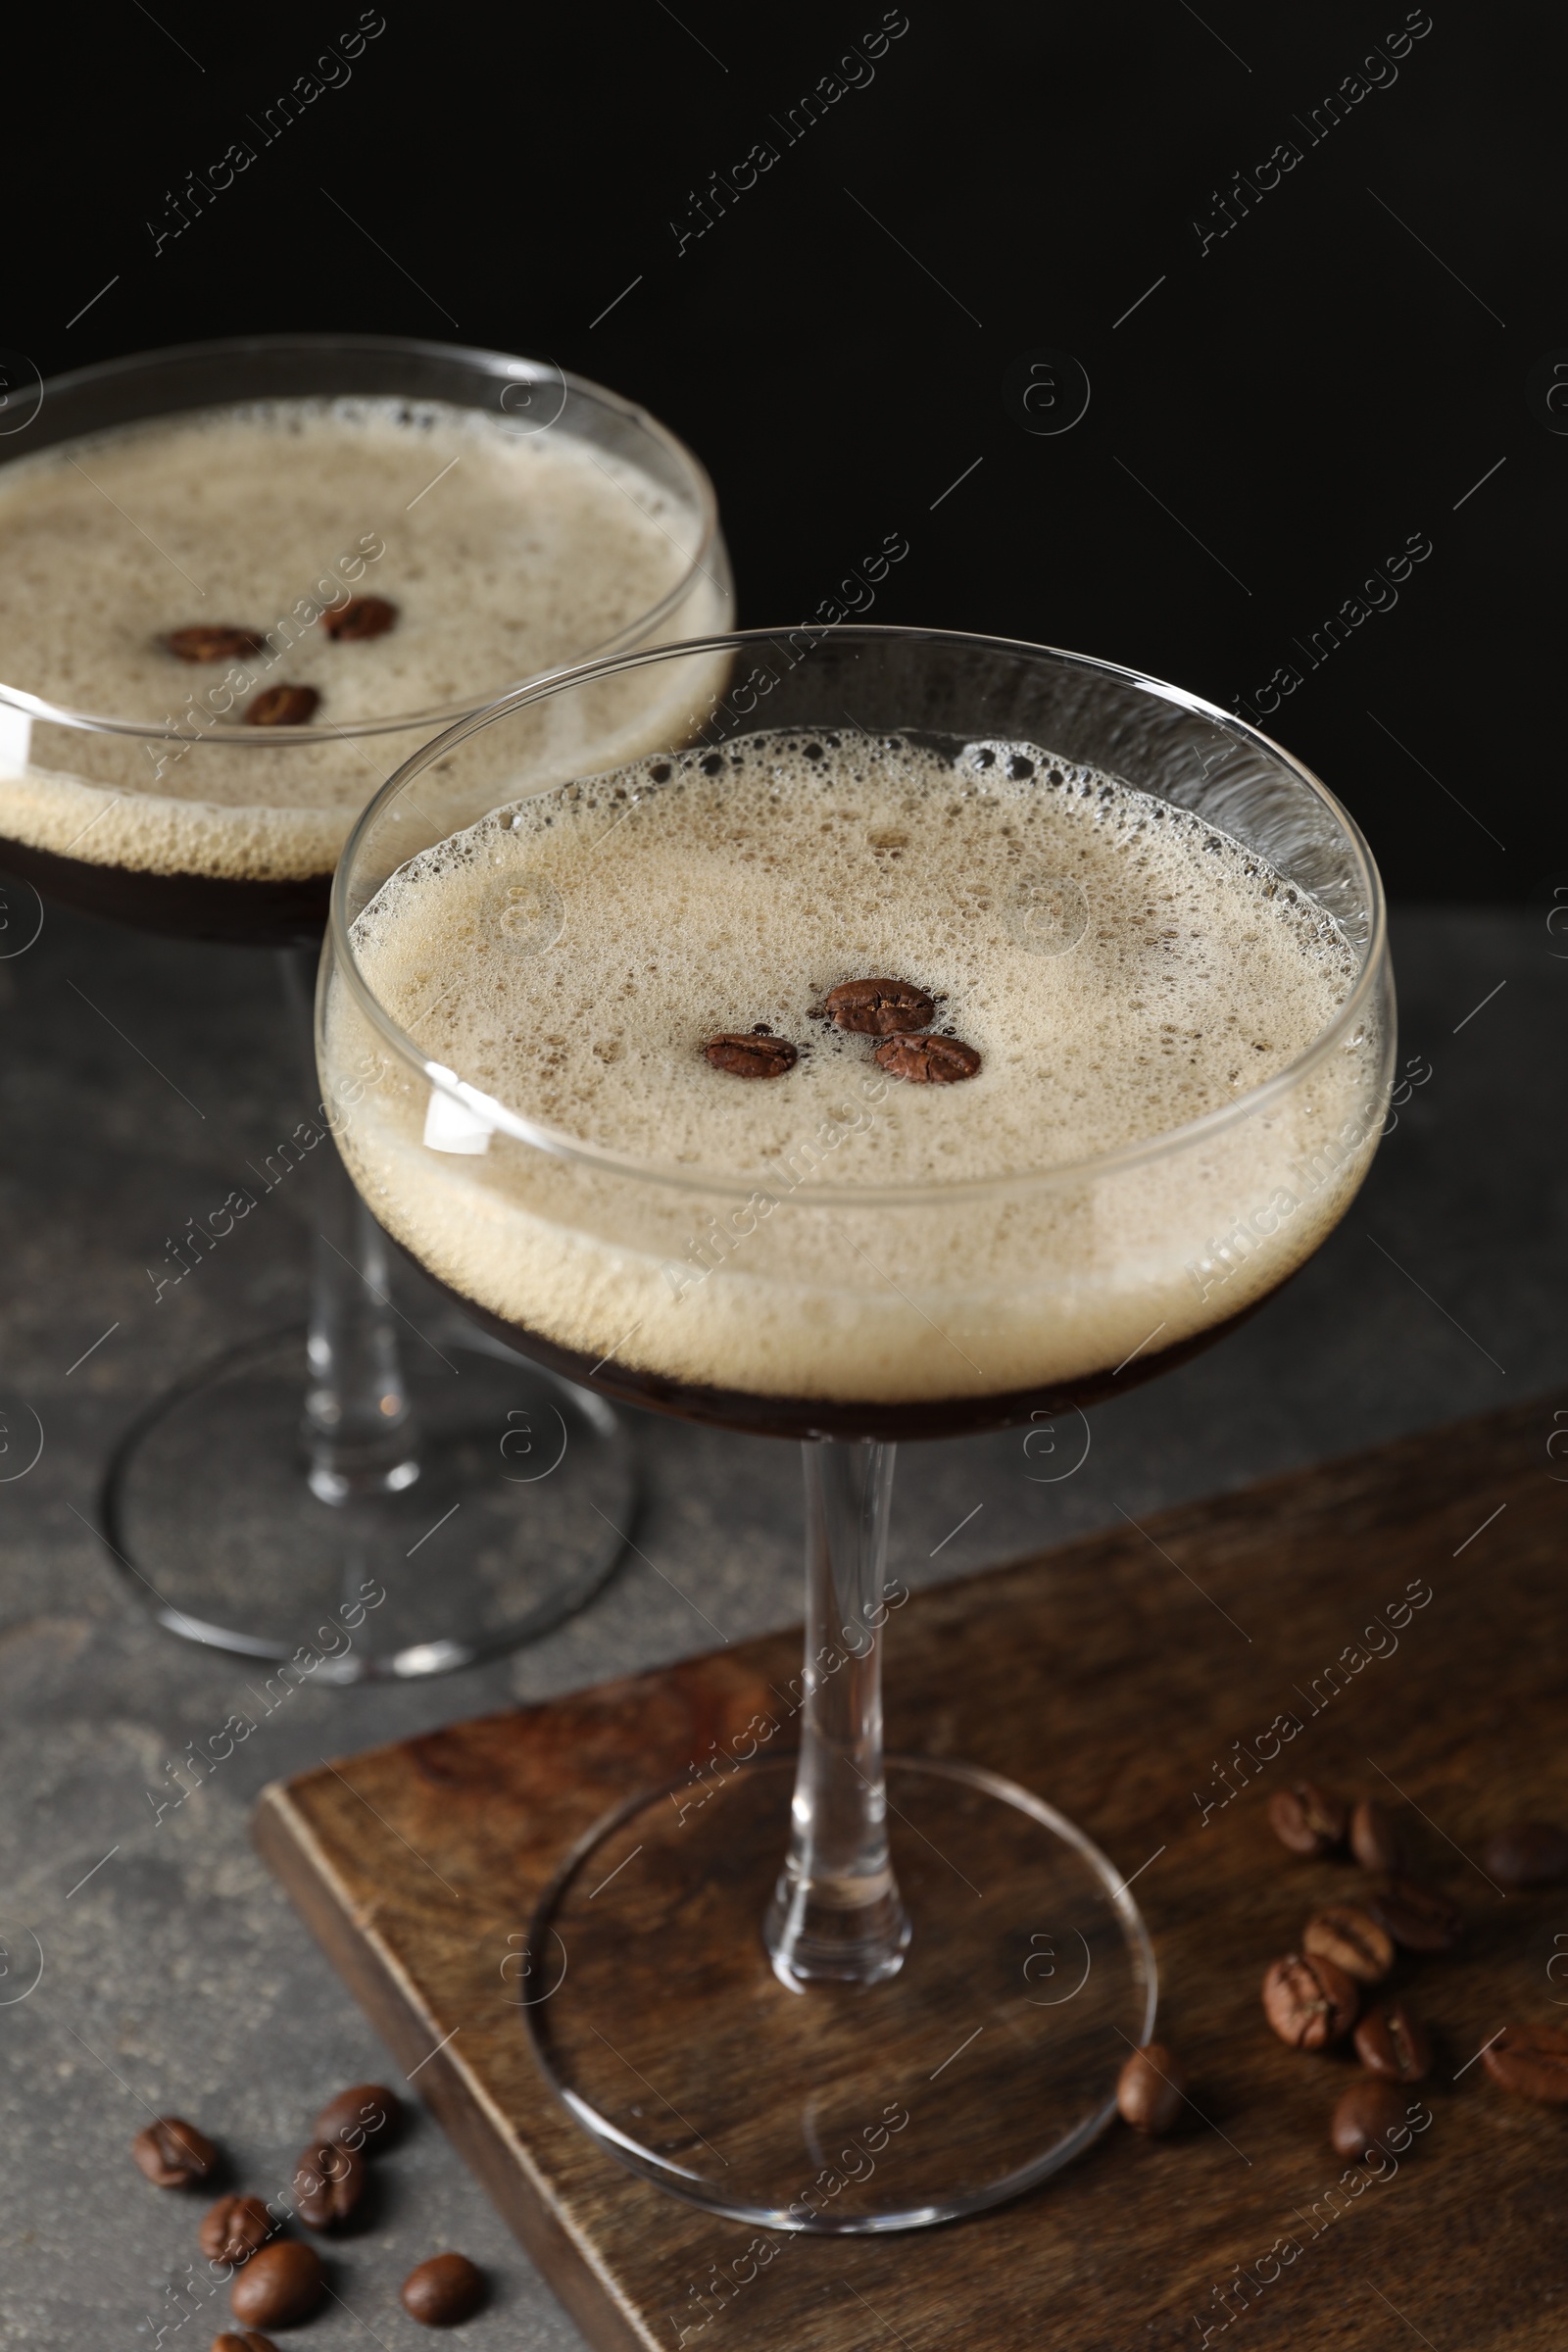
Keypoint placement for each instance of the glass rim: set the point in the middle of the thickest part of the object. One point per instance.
(507, 367)
(684, 1177)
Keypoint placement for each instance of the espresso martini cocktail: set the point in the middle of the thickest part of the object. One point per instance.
(726, 966)
(239, 583)
(931, 1032)
(268, 579)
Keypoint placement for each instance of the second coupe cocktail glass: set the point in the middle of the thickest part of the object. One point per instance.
(475, 1503)
(846, 1991)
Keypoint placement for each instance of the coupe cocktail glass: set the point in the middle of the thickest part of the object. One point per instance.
(840, 1991)
(475, 1500)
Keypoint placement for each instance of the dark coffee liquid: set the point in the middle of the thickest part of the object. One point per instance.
(827, 1417)
(206, 906)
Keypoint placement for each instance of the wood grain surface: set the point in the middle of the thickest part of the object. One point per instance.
(1115, 1677)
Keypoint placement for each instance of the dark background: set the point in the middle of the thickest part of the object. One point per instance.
(1278, 416)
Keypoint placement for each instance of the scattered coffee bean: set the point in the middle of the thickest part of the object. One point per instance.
(758, 1055)
(361, 616)
(1150, 2088)
(212, 642)
(1367, 2115)
(1390, 2041)
(1531, 2061)
(173, 2154)
(234, 2229)
(282, 706)
(281, 2285)
(1525, 1853)
(1351, 1941)
(443, 2291)
(1309, 2002)
(367, 2118)
(1377, 1838)
(1307, 1819)
(1417, 1916)
(328, 2182)
(926, 1061)
(879, 1008)
(245, 2340)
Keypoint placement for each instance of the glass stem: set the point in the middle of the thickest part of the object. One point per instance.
(358, 1427)
(836, 1912)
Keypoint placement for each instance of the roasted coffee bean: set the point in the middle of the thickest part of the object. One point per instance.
(173, 2154)
(1377, 1840)
(1525, 1853)
(1150, 2088)
(757, 1055)
(282, 706)
(217, 641)
(361, 616)
(1351, 1941)
(367, 2118)
(443, 2291)
(244, 2339)
(1390, 2041)
(1309, 2002)
(281, 2285)
(1531, 2061)
(1417, 1916)
(1368, 2115)
(879, 1008)
(926, 1061)
(234, 2228)
(1307, 1819)
(328, 2182)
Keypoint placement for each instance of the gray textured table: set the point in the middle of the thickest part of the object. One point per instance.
(176, 1978)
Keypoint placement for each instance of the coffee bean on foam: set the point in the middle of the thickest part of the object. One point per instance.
(927, 1060)
(750, 1055)
(879, 1008)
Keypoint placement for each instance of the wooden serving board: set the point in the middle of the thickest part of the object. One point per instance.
(1103, 1678)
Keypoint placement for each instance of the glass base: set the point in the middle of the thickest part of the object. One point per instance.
(520, 1512)
(988, 2061)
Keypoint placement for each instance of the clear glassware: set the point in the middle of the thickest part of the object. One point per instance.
(425, 1492)
(840, 1991)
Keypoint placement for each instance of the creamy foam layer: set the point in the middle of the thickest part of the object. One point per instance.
(505, 554)
(1122, 969)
